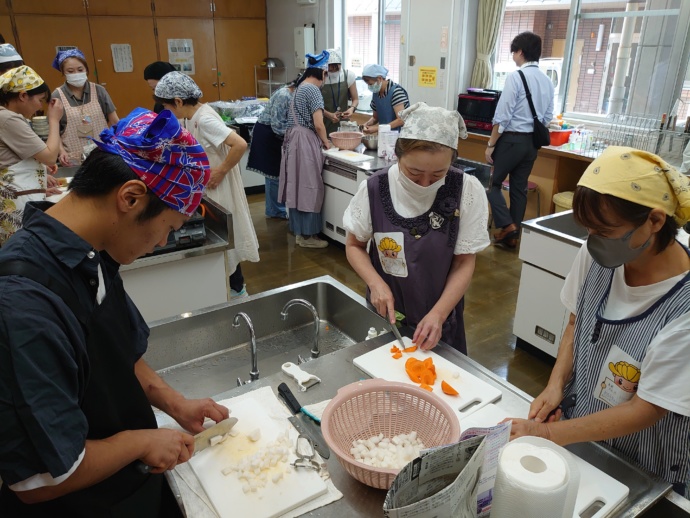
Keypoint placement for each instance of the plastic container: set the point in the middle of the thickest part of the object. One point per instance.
(365, 408)
(563, 200)
(560, 137)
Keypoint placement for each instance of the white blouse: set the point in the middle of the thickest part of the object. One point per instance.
(473, 234)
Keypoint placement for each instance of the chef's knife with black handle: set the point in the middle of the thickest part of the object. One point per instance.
(304, 421)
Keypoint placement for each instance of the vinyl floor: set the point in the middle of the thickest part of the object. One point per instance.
(489, 304)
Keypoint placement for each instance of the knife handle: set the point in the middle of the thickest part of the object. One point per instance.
(289, 398)
(142, 468)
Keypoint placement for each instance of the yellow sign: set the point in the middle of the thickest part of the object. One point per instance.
(427, 77)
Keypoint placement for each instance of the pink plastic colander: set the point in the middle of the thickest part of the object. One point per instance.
(346, 140)
(366, 408)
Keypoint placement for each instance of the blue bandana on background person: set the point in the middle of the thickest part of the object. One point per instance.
(9, 53)
(374, 71)
(320, 60)
(64, 54)
(164, 155)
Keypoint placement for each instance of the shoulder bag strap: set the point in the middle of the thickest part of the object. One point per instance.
(529, 96)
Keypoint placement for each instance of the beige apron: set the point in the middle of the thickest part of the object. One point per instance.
(20, 183)
(83, 121)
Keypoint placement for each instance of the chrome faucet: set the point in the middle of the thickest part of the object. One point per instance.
(301, 302)
(254, 373)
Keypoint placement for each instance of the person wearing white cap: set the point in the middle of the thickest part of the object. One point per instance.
(338, 90)
(9, 58)
(387, 101)
(424, 221)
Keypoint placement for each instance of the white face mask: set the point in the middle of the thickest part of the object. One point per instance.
(77, 79)
(420, 191)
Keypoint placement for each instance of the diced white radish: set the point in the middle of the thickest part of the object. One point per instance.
(255, 435)
(215, 440)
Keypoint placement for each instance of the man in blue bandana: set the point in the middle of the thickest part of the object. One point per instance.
(75, 392)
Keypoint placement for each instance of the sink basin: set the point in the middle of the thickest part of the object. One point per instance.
(563, 223)
(201, 354)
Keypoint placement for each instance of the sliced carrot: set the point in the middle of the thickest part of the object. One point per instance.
(395, 349)
(426, 387)
(397, 355)
(421, 371)
(410, 349)
(448, 389)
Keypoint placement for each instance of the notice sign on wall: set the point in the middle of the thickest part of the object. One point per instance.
(427, 77)
(122, 57)
(181, 55)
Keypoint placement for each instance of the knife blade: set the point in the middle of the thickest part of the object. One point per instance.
(202, 440)
(304, 421)
(398, 337)
(309, 429)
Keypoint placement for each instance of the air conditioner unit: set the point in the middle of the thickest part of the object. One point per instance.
(307, 2)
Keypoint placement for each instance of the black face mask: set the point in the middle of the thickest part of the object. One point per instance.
(613, 252)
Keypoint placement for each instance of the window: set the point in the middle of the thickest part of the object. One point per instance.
(372, 35)
(616, 57)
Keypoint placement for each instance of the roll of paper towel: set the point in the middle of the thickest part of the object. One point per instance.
(536, 478)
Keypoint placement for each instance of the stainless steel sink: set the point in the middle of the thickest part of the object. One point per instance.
(200, 354)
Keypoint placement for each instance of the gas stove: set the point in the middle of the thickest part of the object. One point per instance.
(191, 234)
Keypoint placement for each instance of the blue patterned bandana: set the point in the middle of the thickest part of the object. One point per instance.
(64, 54)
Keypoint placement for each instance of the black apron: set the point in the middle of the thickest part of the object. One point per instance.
(112, 401)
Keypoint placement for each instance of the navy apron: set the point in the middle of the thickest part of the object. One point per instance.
(607, 355)
(414, 255)
(112, 400)
(384, 107)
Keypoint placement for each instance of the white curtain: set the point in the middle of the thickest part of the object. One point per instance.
(488, 26)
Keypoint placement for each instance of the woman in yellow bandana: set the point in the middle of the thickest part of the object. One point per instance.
(629, 297)
(23, 155)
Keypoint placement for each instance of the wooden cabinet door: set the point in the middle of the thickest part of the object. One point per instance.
(240, 9)
(6, 30)
(67, 7)
(240, 45)
(4, 10)
(201, 33)
(127, 89)
(184, 8)
(119, 8)
(39, 38)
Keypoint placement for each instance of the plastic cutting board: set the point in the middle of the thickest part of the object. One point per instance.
(474, 393)
(348, 156)
(225, 492)
(595, 485)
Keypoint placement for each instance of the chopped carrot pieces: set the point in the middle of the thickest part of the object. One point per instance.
(426, 387)
(421, 371)
(448, 389)
(395, 349)
(397, 355)
(410, 349)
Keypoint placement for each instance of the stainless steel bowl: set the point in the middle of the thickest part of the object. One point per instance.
(371, 141)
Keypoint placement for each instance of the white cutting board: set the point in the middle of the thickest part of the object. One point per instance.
(594, 483)
(225, 492)
(348, 156)
(474, 393)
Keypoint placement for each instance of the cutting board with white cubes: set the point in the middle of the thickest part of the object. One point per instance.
(284, 488)
(473, 392)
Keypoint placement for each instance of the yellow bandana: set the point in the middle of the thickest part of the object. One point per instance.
(642, 178)
(20, 79)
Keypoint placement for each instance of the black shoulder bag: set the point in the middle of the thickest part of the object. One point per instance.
(541, 136)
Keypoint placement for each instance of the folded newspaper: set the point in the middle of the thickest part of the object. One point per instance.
(455, 480)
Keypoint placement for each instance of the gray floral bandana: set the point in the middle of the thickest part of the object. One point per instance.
(433, 124)
(177, 84)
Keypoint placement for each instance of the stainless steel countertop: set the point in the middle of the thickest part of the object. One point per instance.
(337, 370)
(369, 167)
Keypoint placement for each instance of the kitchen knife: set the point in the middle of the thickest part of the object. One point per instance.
(202, 440)
(398, 337)
(303, 421)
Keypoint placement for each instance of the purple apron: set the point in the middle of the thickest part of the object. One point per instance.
(301, 182)
(414, 255)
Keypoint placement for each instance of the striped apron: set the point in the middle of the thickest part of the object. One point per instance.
(605, 350)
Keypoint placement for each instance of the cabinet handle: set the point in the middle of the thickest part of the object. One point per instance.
(222, 83)
(214, 84)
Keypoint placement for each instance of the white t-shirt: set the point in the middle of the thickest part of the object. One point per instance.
(666, 366)
(473, 235)
(332, 79)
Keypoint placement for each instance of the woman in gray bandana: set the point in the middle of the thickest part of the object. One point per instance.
(424, 221)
